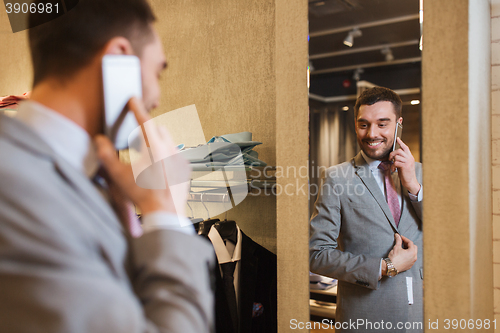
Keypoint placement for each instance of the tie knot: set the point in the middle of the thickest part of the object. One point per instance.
(385, 165)
(228, 268)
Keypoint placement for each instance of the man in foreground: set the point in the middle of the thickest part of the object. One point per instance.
(69, 261)
(366, 230)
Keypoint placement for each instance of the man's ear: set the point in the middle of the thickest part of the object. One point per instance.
(400, 120)
(118, 46)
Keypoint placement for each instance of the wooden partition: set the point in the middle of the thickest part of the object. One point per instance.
(15, 62)
(458, 274)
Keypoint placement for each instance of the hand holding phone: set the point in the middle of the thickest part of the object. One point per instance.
(403, 160)
(397, 134)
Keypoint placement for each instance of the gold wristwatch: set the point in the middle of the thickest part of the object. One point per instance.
(391, 269)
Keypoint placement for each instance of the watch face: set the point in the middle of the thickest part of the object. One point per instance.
(391, 273)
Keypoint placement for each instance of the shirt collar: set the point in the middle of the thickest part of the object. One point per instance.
(221, 251)
(372, 164)
(66, 138)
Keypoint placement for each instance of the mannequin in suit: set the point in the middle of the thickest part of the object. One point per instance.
(355, 237)
(256, 280)
(68, 262)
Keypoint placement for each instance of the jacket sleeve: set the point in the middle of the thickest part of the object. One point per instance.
(172, 278)
(324, 256)
(418, 205)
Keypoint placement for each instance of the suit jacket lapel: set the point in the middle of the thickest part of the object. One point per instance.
(88, 192)
(366, 176)
(223, 322)
(405, 205)
(100, 212)
(247, 282)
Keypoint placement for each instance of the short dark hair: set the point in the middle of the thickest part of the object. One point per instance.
(378, 94)
(68, 43)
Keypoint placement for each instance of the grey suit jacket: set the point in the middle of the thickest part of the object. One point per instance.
(66, 266)
(351, 229)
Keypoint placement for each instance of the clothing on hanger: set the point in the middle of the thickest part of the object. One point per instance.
(255, 283)
(203, 227)
(228, 230)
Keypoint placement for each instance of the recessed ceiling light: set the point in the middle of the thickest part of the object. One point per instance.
(415, 102)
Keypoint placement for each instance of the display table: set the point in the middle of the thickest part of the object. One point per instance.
(322, 303)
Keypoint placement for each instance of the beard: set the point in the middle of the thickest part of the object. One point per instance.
(380, 154)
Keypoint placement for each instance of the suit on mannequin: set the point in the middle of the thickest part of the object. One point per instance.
(352, 228)
(257, 291)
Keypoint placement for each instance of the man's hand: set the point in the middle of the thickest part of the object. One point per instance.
(122, 175)
(404, 161)
(402, 258)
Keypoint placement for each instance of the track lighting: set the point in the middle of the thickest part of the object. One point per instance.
(357, 74)
(388, 54)
(349, 39)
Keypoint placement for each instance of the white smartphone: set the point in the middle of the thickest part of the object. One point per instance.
(121, 75)
(397, 134)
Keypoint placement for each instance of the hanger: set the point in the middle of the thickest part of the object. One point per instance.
(227, 228)
(192, 218)
(203, 227)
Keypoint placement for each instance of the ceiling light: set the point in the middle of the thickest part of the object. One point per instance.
(415, 102)
(345, 108)
(388, 53)
(349, 39)
(357, 74)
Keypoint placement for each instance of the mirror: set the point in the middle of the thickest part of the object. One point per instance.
(355, 45)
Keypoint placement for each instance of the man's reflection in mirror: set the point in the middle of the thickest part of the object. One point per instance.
(366, 229)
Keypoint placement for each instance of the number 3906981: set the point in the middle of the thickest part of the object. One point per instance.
(32, 8)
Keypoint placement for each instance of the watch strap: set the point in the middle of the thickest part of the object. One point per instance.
(391, 269)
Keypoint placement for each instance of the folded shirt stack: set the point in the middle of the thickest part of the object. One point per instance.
(320, 282)
(11, 102)
(225, 150)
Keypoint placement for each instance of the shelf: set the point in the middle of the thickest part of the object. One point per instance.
(250, 183)
(212, 184)
(329, 295)
(208, 197)
(331, 292)
(322, 309)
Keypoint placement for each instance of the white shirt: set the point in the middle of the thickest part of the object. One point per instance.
(74, 145)
(227, 253)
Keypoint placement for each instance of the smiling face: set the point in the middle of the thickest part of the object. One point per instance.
(375, 127)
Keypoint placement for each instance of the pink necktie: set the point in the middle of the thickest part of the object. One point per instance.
(392, 194)
(123, 207)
